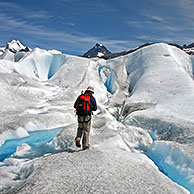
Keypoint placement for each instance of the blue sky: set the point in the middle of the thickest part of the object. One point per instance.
(74, 26)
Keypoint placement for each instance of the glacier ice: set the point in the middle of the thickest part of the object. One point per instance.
(152, 92)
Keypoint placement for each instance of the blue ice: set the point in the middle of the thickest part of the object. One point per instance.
(108, 77)
(159, 157)
(57, 62)
(37, 140)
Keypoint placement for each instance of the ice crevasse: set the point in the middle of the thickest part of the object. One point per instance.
(40, 64)
(108, 77)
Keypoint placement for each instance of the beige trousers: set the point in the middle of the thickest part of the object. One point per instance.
(84, 124)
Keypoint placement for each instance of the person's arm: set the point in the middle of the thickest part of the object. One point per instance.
(93, 104)
(75, 102)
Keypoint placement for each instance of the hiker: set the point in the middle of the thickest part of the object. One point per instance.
(84, 105)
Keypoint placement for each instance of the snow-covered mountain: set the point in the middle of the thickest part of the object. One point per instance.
(142, 134)
(14, 51)
(189, 49)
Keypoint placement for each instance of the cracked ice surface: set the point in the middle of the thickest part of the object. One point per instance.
(96, 171)
(110, 166)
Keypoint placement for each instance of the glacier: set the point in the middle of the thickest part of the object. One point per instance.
(141, 136)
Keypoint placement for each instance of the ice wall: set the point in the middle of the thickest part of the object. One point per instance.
(162, 85)
(172, 160)
(161, 96)
(40, 64)
(57, 61)
(114, 76)
(108, 77)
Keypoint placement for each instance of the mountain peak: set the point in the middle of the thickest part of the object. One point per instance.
(13, 51)
(98, 50)
(98, 45)
(15, 46)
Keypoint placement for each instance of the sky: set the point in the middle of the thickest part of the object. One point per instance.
(74, 26)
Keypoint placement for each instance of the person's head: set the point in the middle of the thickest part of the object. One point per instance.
(90, 89)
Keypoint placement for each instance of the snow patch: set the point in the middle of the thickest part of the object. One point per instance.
(100, 54)
(34, 126)
(54, 51)
(22, 150)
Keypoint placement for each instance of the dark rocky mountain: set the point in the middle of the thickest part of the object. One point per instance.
(97, 51)
(191, 45)
(189, 49)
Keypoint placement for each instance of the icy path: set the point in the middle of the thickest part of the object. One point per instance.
(114, 164)
(96, 171)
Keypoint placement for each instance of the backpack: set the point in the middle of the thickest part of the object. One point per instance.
(83, 105)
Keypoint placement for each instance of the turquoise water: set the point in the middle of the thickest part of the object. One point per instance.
(37, 140)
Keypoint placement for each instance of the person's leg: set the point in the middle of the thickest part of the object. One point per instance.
(86, 133)
(80, 130)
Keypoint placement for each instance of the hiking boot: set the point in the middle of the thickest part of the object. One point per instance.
(77, 143)
(86, 147)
